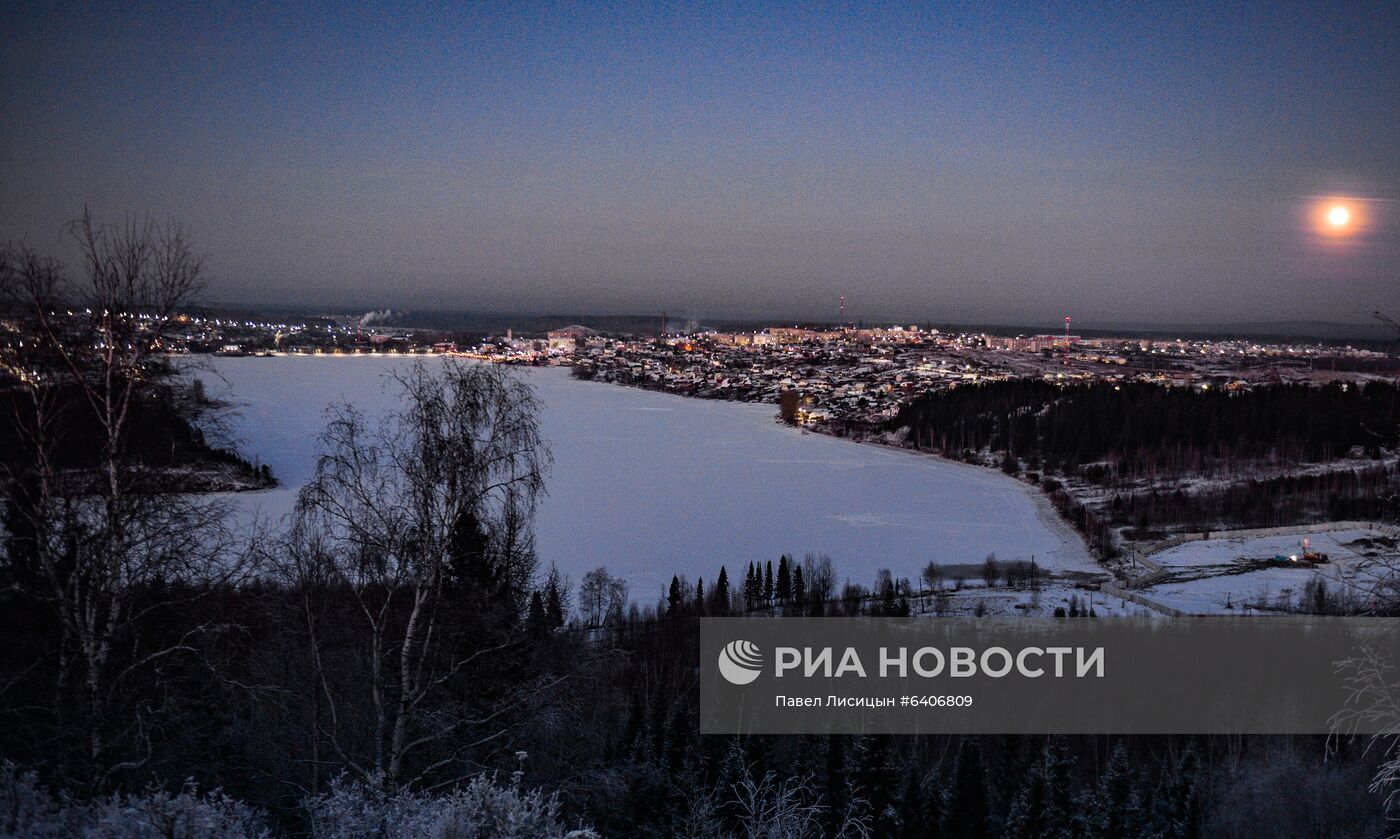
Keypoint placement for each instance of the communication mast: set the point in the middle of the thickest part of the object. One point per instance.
(1066, 340)
(842, 320)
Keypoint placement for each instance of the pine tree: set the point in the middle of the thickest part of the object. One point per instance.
(1044, 806)
(1029, 816)
(874, 777)
(1176, 806)
(783, 587)
(673, 599)
(1113, 810)
(554, 605)
(699, 596)
(537, 621)
(722, 592)
(799, 592)
(768, 584)
(678, 736)
(966, 816)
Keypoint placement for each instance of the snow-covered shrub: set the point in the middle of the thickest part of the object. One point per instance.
(188, 814)
(772, 809)
(483, 809)
(27, 810)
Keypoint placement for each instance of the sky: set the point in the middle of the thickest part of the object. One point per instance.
(1157, 162)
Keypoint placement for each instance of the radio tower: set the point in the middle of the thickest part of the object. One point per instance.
(663, 324)
(843, 312)
(1066, 340)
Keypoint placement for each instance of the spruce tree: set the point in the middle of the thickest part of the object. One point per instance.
(966, 816)
(934, 812)
(783, 587)
(722, 592)
(1113, 810)
(673, 599)
(554, 605)
(537, 621)
(874, 778)
(1176, 806)
(1045, 804)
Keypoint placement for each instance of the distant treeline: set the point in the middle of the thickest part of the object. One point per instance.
(1363, 494)
(1138, 429)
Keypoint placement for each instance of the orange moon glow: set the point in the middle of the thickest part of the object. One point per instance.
(1338, 218)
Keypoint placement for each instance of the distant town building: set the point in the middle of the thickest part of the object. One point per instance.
(565, 338)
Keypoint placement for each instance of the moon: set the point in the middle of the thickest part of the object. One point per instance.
(1338, 218)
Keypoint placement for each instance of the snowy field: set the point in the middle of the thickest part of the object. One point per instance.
(1221, 576)
(975, 597)
(649, 484)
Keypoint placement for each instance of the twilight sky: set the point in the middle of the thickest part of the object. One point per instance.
(1156, 162)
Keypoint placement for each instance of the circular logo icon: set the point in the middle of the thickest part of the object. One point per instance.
(740, 662)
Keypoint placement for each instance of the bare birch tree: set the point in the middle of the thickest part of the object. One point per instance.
(383, 519)
(100, 538)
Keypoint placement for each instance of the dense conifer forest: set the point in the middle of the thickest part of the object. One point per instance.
(1137, 429)
(1153, 458)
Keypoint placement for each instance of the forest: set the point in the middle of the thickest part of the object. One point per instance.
(166, 435)
(1138, 447)
(1141, 429)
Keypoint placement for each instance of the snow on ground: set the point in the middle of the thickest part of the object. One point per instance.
(649, 484)
(1338, 545)
(1022, 600)
(1224, 576)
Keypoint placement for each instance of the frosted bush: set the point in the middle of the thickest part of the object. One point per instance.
(483, 809)
(27, 810)
(186, 815)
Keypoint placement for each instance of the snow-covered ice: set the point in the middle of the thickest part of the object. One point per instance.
(649, 484)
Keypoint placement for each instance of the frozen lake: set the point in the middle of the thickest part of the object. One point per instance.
(650, 485)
